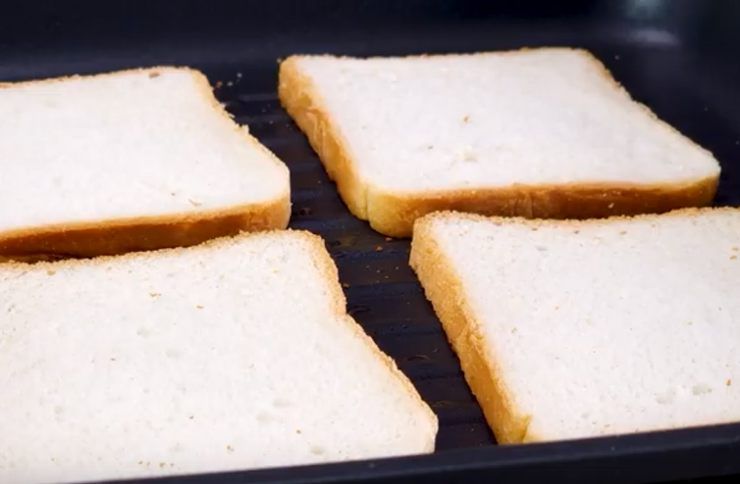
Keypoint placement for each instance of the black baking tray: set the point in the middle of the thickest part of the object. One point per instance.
(681, 58)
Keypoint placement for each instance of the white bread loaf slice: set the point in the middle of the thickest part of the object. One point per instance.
(570, 329)
(537, 133)
(131, 160)
(234, 354)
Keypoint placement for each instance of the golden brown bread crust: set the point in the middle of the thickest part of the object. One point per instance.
(444, 289)
(143, 233)
(116, 236)
(394, 213)
(300, 98)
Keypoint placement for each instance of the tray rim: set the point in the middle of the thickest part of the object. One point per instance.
(686, 447)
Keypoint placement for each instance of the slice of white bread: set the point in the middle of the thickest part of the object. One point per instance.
(234, 354)
(537, 133)
(138, 159)
(570, 329)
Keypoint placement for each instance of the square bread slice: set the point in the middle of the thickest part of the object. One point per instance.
(234, 354)
(131, 160)
(536, 133)
(569, 329)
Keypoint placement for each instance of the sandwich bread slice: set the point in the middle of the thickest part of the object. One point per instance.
(542, 133)
(132, 160)
(234, 354)
(570, 329)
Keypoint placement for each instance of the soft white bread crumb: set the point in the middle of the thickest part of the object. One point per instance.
(230, 355)
(432, 131)
(590, 328)
(113, 148)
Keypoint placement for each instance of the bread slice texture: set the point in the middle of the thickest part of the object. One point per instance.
(234, 354)
(574, 329)
(536, 133)
(130, 160)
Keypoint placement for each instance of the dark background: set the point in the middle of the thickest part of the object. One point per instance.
(680, 57)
